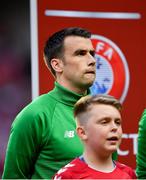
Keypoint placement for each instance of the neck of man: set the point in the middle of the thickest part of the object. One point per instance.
(73, 88)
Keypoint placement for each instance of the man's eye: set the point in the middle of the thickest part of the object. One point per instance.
(82, 53)
(92, 53)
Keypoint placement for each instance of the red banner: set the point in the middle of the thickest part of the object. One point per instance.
(119, 29)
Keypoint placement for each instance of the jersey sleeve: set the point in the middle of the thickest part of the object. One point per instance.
(23, 146)
(128, 170)
(131, 173)
(67, 172)
(141, 154)
(63, 174)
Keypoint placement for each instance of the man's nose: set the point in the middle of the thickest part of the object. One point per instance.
(92, 60)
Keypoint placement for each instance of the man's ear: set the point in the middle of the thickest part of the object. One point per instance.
(57, 65)
(81, 132)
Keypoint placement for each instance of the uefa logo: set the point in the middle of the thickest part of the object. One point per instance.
(112, 73)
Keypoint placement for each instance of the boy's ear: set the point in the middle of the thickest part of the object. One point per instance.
(57, 65)
(81, 132)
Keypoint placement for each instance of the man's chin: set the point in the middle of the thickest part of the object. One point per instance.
(87, 85)
(89, 82)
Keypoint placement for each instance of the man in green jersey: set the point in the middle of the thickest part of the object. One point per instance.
(42, 137)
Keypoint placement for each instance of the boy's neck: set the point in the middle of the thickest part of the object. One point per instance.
(103, 164)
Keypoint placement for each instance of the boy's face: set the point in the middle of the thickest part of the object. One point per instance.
(103, 129)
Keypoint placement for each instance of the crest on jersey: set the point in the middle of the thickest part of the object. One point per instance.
(112, 73)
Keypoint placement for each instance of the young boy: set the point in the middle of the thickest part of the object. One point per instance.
(99, 127)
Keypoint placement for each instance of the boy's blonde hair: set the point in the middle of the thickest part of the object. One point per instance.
(84, 104)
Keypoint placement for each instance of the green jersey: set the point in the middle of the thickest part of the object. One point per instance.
(141, 154)
(43, 137)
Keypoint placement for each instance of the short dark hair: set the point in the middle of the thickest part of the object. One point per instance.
(83, 104)
(54, 46)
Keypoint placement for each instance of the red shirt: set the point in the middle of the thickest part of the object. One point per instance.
(78, 169)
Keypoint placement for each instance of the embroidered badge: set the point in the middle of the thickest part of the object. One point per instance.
(112, 73)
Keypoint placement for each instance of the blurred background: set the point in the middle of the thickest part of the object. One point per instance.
(15, 71)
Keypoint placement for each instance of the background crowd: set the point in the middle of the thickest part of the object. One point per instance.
(15, 72)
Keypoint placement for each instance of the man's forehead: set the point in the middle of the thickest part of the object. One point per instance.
(74, 39)
(77, 42)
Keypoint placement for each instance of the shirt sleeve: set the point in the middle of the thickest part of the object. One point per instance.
(65, 172)
(62, 174)
(23, 147)
(132, 173)
(141, 154)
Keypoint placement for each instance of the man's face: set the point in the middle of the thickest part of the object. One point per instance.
(79, 64)
(103, 129)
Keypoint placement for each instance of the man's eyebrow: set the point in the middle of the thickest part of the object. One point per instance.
(78, 51)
